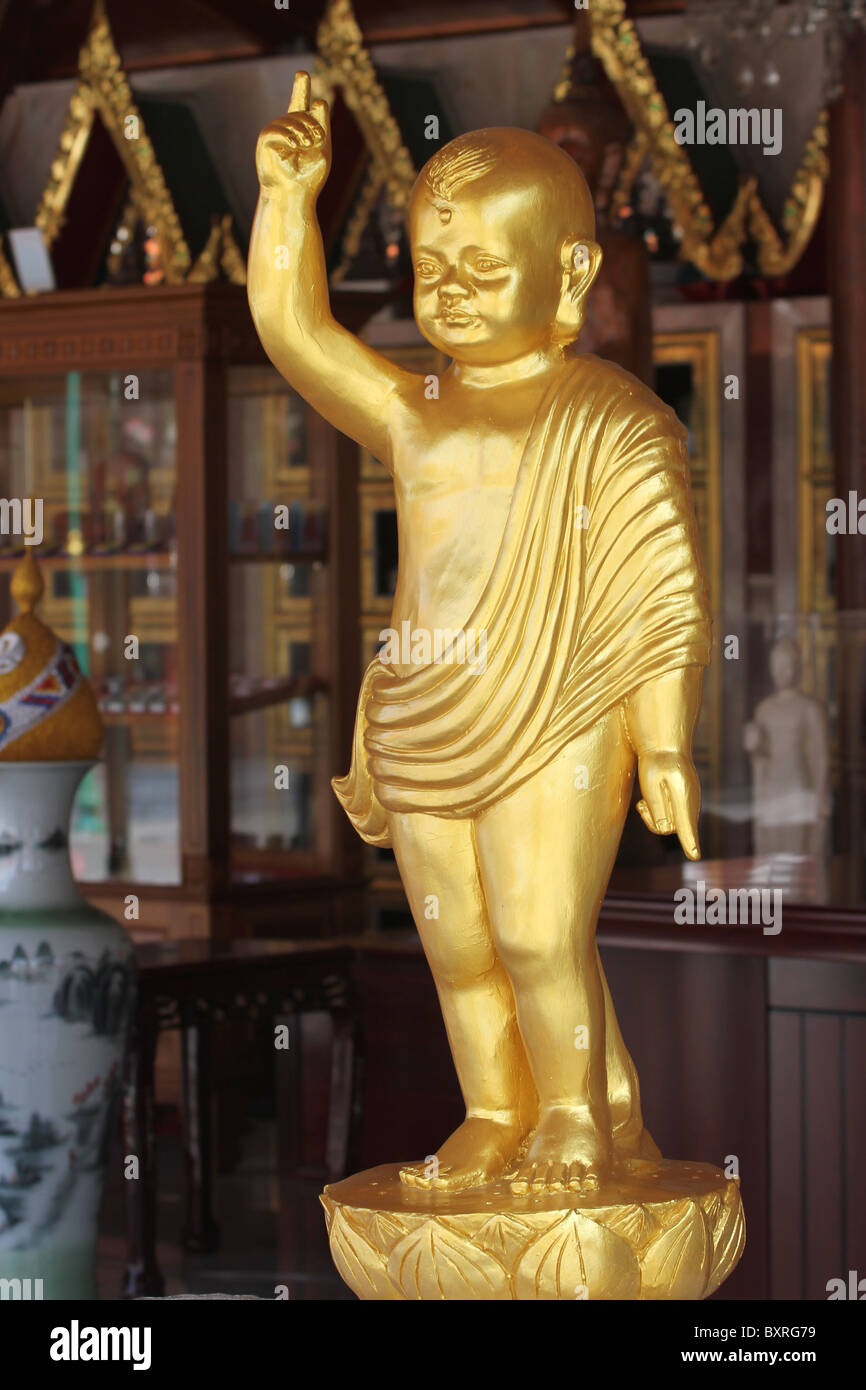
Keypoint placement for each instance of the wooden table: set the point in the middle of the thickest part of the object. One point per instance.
(194, 985)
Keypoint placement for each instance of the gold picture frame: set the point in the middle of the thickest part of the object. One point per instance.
(814, 468)
(292, 739)
(698, 351)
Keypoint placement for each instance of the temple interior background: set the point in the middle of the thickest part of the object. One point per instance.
(136, 401)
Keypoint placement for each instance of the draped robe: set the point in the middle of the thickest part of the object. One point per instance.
(596, 589)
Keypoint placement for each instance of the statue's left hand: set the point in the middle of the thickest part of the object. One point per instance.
(671, 798)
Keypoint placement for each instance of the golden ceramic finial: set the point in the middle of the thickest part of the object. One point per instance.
(48, 712)
(547, 641)
(27, 584)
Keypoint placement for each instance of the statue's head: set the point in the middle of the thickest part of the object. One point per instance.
(502, 229)
(785, 663)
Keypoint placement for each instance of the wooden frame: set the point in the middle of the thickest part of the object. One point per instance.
(794, 324)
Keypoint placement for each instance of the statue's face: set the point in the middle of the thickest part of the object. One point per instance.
(488, 277)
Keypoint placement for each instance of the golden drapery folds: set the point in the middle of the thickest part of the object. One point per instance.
(593, 592)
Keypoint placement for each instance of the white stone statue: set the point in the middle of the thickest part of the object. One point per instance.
(788, 746)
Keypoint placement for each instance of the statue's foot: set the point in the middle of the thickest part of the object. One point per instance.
(478, 1151)
(569, 1152)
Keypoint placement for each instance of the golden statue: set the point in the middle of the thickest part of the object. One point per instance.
(543, 503)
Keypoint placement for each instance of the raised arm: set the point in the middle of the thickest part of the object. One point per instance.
(352, 386)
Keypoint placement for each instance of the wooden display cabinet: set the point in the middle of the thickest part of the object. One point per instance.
(168, 456)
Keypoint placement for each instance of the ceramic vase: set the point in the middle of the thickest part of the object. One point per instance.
(66, 996)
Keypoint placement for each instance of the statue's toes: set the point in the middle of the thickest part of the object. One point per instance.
(582, 1178)
(558, 1176)
(446, 1178)
(541, 1177)
(414, 1177)
(522, 1183)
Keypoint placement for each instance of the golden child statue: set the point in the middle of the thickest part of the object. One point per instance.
(543, 501)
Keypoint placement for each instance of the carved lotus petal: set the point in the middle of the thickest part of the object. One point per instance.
(634, 1224)
(677, 1263)
(433, 1262)
(358, 1262)
(381, 1229)
(729, 1237)
(503, 1236)
(575, 1254)
(467, 1224)
(712, 1206)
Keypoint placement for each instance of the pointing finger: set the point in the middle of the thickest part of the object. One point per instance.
(646, 816)
(300, 98)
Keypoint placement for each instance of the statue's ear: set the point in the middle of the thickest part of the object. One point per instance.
(581, 262)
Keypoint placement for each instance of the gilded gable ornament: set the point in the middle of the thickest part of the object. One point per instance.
(715, 250)
(104, 93)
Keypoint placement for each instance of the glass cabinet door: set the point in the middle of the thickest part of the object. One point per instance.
(96, 455)
(276, 605)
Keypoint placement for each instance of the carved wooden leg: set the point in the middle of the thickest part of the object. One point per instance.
(200, 1232)
(139, 1142)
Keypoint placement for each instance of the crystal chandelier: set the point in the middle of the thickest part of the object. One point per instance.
(746, 34)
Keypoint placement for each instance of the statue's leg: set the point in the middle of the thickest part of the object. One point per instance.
(438, 865)
(546, 852)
